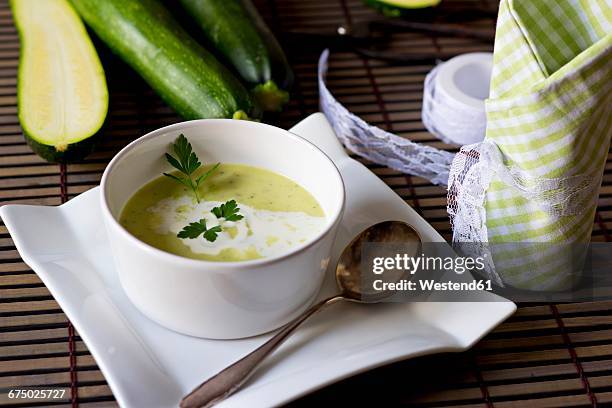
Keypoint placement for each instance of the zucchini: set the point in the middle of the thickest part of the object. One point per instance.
(397, 8)
(187, 77)
(237, 31)
(61, 90)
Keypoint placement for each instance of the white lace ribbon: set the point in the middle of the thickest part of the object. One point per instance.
(470, 175)
(379, 146)
(446, 118)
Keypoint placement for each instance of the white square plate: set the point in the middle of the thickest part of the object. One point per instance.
(149, 366)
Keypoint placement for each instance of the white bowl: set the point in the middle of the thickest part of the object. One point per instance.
(222, 300)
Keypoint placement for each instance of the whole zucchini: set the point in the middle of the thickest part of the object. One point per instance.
(146, 36)
(62, 95)
(237, 30)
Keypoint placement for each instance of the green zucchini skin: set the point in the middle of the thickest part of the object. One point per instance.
(237, 31)
(71, 153)
(186, 76)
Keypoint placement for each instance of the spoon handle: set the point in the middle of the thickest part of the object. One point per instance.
(230, 379)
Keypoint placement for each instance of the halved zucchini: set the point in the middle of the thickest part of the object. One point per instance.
(62, 94)
(396, 8)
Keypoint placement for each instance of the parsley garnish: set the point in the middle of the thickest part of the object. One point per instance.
(187, 162)
(229, 211)
(195, 229)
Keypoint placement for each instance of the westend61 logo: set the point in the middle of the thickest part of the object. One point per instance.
(435, 273)
(411, 264)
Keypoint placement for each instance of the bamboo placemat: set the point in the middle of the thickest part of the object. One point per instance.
(544, 356)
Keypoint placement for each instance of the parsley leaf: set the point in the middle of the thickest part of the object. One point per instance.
(211, 234)
(229, 211)
(187, 162)
(195, 229)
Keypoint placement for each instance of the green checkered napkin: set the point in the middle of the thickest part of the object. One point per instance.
(550, 117)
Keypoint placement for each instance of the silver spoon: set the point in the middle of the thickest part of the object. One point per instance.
(348, 279)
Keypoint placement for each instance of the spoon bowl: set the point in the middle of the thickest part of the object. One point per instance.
(354, 278)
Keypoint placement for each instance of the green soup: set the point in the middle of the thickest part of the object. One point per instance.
(278, 214)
